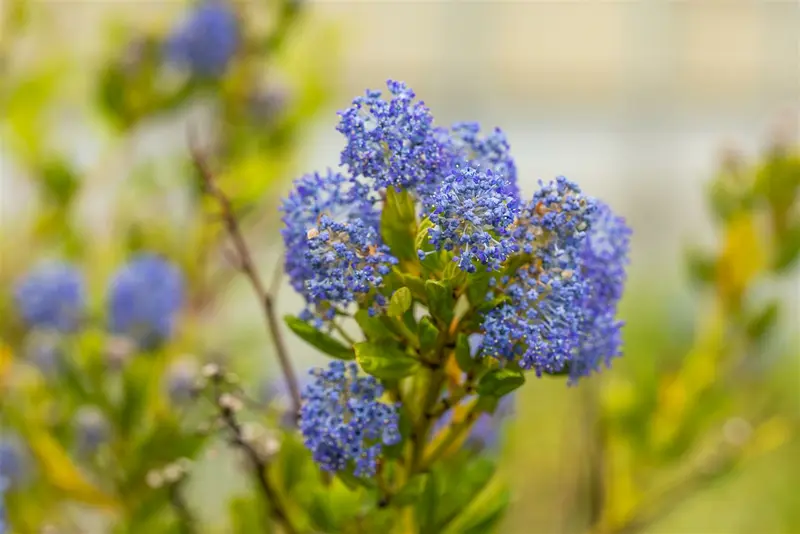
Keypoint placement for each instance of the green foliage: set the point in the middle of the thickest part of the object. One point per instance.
(318, 339)
(385, 361)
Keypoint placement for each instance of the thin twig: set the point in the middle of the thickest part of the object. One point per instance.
(247, 267)
(260, 469)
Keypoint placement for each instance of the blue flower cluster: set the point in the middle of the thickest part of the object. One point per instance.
(206, 41)
(343, 420)
(394, 143)
(562, 302)
(604, 257)
(331, 235)
(556, 262)
(144, 298)
(472, 213)
(51, 297)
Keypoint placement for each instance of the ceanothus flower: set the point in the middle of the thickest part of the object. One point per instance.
(335, 255)
(313, 196)
(491, 151)
(206, 41)
(603, 260)
(343, 420)
(472, 215)
(540, 323)
(393, 143)
(51, 297)
(560, 313)
(144, 298)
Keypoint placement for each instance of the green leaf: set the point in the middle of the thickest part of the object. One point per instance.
(320, 513)
(353, 482)
(414, 283)
(500, 382)
(400, 302)
(440, 300)
(384, 361)
(464, 484)
(427, 506)
(760, 325)
(373, 327)
(478, 287)
(421, 241)
(428, 334)
(412, 491)
(399, 224)
(60, 182)
(318, 339)
(464, 357)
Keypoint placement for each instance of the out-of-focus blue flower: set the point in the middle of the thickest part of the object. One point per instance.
(487, 430)
(274, 394)
(180, 380)
(206, 41)
(51, 297)
(91, 429)
(472, 215)
(3, 487)
(43, 350)
(342, 419)
(604, 258)
(144, 299)
(13, 460)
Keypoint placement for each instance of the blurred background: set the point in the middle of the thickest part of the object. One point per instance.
(644, 103)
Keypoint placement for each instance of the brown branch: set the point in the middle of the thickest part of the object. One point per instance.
(248, 268)
(260, 469)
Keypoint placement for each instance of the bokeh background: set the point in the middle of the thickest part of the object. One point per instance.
(641, 102)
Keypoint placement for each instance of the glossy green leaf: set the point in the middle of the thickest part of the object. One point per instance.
(500, 382)
(400, 302)
(384, 361)
(440, 300)
(373, 327)
(399, 225)
(318, 339)
(428, 334)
